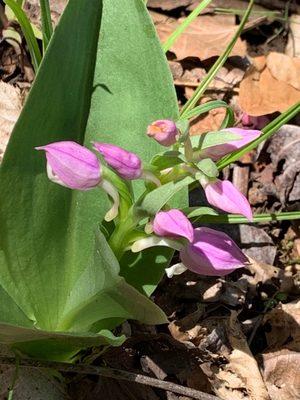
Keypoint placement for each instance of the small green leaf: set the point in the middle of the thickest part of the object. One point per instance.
(154, 201)
(167, 160)
(208, 167)
(210, 139)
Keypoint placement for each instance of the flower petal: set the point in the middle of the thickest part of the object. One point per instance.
(225, 196)
(128, 165)
(174, 224)
(212, 253)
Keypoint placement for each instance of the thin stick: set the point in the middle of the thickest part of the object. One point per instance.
(110, 373)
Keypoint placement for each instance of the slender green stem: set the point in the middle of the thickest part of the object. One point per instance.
(173, 37)
(268, 131)
(238, 219)
(28, 33)
(217, 65)
(47, 28)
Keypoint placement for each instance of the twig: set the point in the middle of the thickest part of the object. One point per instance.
(110, 373)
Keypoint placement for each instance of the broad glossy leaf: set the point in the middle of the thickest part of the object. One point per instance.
(47, 231)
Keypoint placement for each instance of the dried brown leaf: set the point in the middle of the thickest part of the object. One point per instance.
(261, 93)
(293, 45)
(10, 108)
(285, 68)
(283, 326)
(206, 37)
(281, 372)
(240, 378)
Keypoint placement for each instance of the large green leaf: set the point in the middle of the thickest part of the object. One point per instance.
(100, 299)
(47, 231)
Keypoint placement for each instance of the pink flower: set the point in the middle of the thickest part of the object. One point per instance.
(173, 224)
(218, 151)
(128, 165)
(72, 165)
(225, 196)
(212, 253)
(164, 131)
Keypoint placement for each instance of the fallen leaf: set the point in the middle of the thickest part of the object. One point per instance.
(293, 44)
(281, 372)
(10, 108)
(33, 11)
(240, 378)
(168, 4)
(290, 74)
(283, 326)
(207, 36)
(284, 150)
(262, 272)
(263, 93)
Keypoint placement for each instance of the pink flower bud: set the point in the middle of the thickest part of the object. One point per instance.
(72, 165)
(164, 131)
(212, 253)
(173, 224)
(226, 197)
(218, 151)
(128, 165)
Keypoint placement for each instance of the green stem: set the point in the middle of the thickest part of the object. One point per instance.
(118, 240)
(238, 219)
(173, 37)
(27, 30)
(217, 65)
(47, 28)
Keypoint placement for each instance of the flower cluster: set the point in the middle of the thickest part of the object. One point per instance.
(202, 250)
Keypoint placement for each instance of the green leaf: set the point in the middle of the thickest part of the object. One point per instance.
(27, 31)
(167, 159)
(208, 167)
(154, 201)
(210, 139)
(47, 231)
(211, 105)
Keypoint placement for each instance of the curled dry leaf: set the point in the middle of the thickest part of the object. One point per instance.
(293, 45)
(262, 272)
(240, 378)
(281, 372)
(284, 150)
(168, 4)
(33, 10)
(267, 87)
(283, 326)
(10, 108)
(207, 36)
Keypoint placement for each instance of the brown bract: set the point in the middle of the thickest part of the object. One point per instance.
(268, 87)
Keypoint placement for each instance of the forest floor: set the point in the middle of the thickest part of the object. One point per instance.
(236, 337)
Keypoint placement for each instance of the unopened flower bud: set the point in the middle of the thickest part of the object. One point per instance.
(164, 131)
(220, 150)
(71, 165)
(128, 165)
